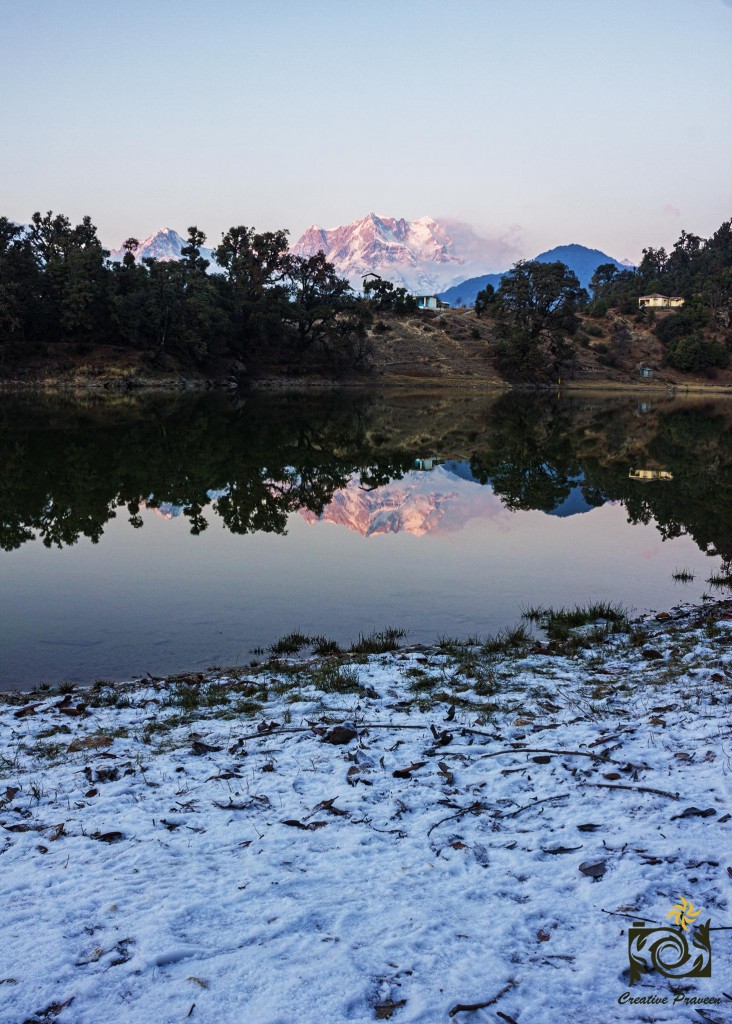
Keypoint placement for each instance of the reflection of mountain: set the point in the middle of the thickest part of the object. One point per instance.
(574, 504)
(167, 510)
(440, 501)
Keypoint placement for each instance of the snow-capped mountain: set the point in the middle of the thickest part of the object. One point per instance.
(420, 255)
(165, 244)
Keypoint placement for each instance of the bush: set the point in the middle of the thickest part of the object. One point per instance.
(609, 359)
(594, 329)
(681, 324)
(694, 353)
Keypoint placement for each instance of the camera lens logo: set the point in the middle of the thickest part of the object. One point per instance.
(678, 952)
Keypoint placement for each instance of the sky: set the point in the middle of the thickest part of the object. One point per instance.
(538, 122)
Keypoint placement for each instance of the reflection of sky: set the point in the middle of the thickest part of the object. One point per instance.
(161, 600)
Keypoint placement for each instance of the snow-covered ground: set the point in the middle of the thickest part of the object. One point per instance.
(198, 848)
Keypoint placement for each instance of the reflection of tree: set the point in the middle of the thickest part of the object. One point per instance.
(539, 448)
(530, 460)
(66, 470)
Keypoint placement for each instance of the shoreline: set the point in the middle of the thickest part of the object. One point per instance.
(116, 387)
(238, 841)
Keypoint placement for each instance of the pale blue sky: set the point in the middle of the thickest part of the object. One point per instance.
(604, 122)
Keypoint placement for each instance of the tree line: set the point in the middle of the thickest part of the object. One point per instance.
(57, 285)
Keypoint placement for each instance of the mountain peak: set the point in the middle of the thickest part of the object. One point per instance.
(418, 255)
(164, 244)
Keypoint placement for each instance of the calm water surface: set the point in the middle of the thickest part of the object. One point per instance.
(158, 535)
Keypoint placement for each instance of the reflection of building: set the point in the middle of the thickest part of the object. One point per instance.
(427, 464)
(656, 301)
(650, 474)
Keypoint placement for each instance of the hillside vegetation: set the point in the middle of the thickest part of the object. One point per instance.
(68, 315)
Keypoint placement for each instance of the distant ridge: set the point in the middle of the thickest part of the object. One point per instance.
(583, 261)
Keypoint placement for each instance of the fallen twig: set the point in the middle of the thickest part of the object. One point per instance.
(545, 800)
(474, 808)
(546, 750)
(472, 1007)
(633, 789)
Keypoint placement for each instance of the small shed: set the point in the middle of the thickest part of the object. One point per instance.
(646, 372)
(427, 301)
(657, 301)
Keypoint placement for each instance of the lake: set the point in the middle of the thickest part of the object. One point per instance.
(174, 532)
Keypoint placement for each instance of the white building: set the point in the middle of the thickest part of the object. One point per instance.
(657, 301)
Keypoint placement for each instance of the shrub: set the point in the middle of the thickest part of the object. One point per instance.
(694, 353)
(594, 330)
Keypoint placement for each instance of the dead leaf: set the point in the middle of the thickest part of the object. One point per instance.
(442, 738)
(58, 832)
(445, 770)
(613, 776)
(71, 711)
(92, 958)
(90, 743)
(594, 869)
(11, 792)
(384, 1011)
(695, 812)
(198, 981)
(589, 827)
(198, 747)
(405, 773)
(107, 837)
(309, 827)
(561, 849)
(542, 936)
(26, 710)
(340, 734)
(327, 805)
